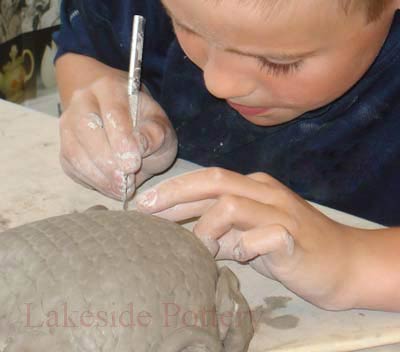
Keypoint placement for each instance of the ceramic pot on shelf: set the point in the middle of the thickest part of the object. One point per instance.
(14, 76)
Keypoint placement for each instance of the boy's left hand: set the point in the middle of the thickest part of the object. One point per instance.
(257, 219)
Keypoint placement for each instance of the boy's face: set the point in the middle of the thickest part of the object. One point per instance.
(274, 64)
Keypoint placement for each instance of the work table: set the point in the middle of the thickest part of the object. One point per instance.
(33, 186)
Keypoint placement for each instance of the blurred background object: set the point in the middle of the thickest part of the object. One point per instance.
(27, 50)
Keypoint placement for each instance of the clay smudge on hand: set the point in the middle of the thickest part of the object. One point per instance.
(111, 120)
(95, 121)
(132, 160)
(125, 182)
(127, 156)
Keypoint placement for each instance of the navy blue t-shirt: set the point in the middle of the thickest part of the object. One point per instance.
(102, 29)
(345, 155)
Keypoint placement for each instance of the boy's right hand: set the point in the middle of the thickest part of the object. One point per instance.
(99, 145)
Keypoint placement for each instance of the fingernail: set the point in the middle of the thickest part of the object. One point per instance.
(130, 191)
(147, 199)
(143, 143)
(131, 181)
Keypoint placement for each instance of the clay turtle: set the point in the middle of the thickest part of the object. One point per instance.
(116, 281)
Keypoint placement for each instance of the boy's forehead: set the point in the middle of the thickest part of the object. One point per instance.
(268, 10)
(275, 7)
(283, 18)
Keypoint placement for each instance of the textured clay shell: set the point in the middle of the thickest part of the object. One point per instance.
(104, 281)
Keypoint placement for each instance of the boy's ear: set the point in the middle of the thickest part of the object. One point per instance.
(234, 315)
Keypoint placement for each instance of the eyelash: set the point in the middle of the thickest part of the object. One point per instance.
(266, 66)
(278, 69)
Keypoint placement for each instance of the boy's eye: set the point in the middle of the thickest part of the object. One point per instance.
(264, 64)
(278, 69)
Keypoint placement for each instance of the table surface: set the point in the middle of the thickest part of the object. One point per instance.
(34, 187)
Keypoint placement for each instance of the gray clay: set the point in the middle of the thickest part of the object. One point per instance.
(116, 281)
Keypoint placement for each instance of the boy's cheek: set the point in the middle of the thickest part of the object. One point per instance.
(315, 84)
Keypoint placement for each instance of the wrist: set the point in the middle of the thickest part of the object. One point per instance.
(374, 279)
(344, 253)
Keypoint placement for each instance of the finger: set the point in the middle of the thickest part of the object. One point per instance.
(266, 179)
(156, 135)
(233, 212)
(199, 185)
(181, 212)
(152, 137)
(124, 147)
(141, 177)
(118, 125)
(261, 177)
(227, 243)
(93, 139)
(75, 175)
(88, 127)
(79, 175)
(151, 128)
(273, 240)
(78, 163)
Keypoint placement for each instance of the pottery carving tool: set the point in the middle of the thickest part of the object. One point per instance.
(135, 68)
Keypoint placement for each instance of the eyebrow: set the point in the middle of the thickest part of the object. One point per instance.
(275, 56)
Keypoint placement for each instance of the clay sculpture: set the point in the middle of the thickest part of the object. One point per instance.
(116, 281)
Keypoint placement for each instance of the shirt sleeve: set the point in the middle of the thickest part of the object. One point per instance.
(102, 29)
(73, 36)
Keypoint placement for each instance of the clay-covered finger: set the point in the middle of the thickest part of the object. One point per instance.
(78, 164)
(118, 125)
(94, 141)
(267, 240)
(88, 131)
(80, 174)
(155, 136)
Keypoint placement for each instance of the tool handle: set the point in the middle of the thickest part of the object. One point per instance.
(135, 65)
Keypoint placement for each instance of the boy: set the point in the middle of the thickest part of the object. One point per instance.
(304, 92)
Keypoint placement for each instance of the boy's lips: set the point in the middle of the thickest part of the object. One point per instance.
(248, 110)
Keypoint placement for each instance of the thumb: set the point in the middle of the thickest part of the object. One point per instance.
(273, 240)
(150, 136)
(158, 145)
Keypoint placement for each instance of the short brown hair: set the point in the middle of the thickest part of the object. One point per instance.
(372, 8)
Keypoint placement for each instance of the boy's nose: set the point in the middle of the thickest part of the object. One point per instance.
(224, 80)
